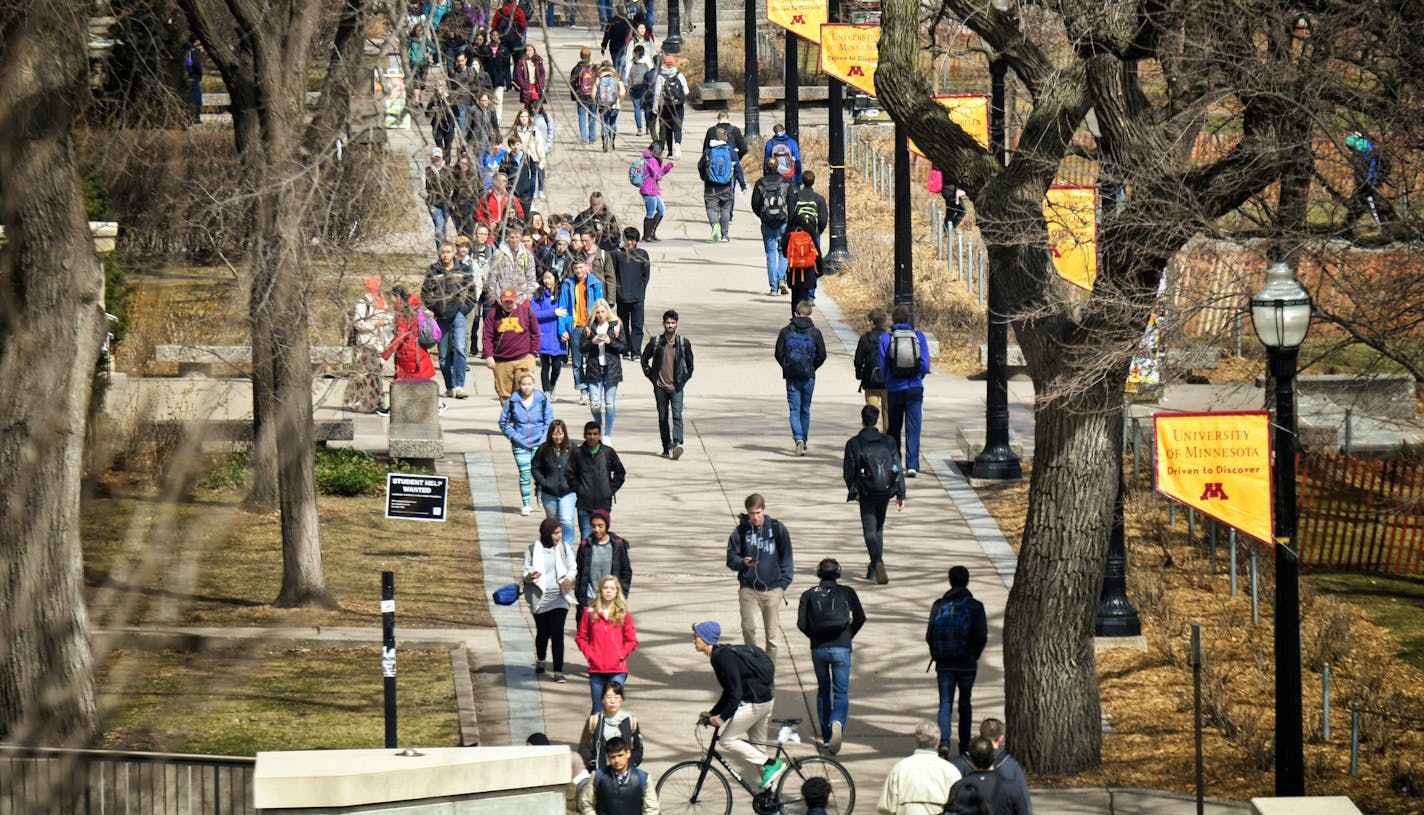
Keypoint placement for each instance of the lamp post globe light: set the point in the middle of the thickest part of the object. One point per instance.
(1280, 313)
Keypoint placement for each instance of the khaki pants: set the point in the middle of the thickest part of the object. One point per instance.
(506, 374)
(763, 606)
(750, 720)
(877, 398)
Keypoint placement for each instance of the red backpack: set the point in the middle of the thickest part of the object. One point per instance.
(586, 77)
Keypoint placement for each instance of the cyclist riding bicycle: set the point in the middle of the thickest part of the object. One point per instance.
(746, 675)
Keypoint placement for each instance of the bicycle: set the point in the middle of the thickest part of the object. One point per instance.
(700, 788)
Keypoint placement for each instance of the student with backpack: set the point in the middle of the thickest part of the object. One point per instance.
(770, 196)
(830, 615)
(608, 91)
(868, 371)
(984, 789)
(747, 676)
(905, 359)
(669, 96)
(646, 173)
(956, 635)
(800, 350)
(872, 476)
(640, 72)
(581, 83)
(807, 216)
(783, 148)
(720, 172)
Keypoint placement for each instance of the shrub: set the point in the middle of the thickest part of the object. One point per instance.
(345, 471)
(228, 471)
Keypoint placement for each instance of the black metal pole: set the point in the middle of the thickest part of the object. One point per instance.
(1290, 748)
(793, 84)
(1197, 714)
(709, 45)
(388, 653)
(997, 460)
(904, 244)
(1116, 615)
(751, 124)
(672, 43)
(838, 254)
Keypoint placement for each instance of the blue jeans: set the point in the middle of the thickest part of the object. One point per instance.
(438, 215)
(638, 113)
(596, 684)
(906, 409)
(587, 121)
(832, 666)
(609, 118)
(775, 263)
(564, 509)
(669, 416)
(605, 11)
(454, 337)
(576, 362)
(798, 401)
(653, 205)
(601, 397)
(948, 682)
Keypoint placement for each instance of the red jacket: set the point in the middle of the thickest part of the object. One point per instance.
(606, 646)
(412, 361)
(491, 210)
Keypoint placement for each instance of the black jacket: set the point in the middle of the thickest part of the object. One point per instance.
(634, 269)
(867, 360)
(682, 359)
(850, 466)
(622, 566)
(611, 372)
(738, 685)
(824, 639)
(769, 547)
(803, 325)
(1004, 797)
(1007, 768)
(448, 293)
(978, 630)
(551, 471)
(734, 138)
(596, 477)
(823, 212)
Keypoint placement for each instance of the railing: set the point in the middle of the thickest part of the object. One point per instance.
(43, 780)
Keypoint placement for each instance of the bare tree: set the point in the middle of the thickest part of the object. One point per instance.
(51, 328)
(1214, 62)
(265, 53)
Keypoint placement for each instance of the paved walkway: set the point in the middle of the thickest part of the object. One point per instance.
(677, 515)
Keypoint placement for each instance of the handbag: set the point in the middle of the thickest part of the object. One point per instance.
(507, 595)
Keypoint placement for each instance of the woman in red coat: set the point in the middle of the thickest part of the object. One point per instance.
(412, 361)
(606, 637)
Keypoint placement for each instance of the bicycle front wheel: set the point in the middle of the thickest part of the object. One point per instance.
(802, 770)
(685, 790)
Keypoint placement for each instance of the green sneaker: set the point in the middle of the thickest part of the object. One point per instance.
(716, 232)
(771, 772)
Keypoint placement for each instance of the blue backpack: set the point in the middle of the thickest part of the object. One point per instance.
(638, 172)
(949, 631)
(800, 349)
(720, 162)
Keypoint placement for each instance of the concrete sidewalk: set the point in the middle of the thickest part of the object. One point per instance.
(677, 515)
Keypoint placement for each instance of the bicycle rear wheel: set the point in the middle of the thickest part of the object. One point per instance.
(801, 771)
(684, 790)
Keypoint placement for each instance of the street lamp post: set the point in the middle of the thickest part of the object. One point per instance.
(839, 255)
(751, 121)
(1280, 313)
(672, 43)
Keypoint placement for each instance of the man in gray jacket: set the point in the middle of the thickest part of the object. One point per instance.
(759, 551)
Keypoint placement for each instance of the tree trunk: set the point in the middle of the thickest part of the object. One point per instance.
(51, 327)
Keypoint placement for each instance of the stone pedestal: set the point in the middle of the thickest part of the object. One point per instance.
(415, 422)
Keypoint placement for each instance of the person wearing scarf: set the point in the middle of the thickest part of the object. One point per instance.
(370, 333)
(549, 574)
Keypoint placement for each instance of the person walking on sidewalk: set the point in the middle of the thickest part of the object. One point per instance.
(868, 369)
(956, 634)
(551, 475)
(747, 675)
(667, 363)
(438, 186)
(619, 789)
(734, 134)
(608, 93)
(581, 82)
(669, 98)
(555, 323)
(770, 197)
(830, 615)
(597, 475)
(806, 219)
(994, 792)
(451, 291)
(651, 168)
(511, 340)
(782, 148)
(577, 296)
(873, 475)
(905, 359)
(759, 551)
(603, 344)
(1008, 768)
(601, 554)
(919, 784)
(720, 173)
(800, 351)
(549, 574)
(524, 420)
(633, 269)
(607, 723)
(606, 636)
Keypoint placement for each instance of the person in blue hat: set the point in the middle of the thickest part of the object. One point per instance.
(746, 675)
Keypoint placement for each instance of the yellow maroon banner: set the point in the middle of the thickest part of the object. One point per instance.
(803, 18)
(1072, 215)
(850, 53)
(968, 110)
(1219, 464)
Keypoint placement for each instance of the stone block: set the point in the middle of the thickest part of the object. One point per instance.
(1386, 396)
(1305, 805)
(415, 421)
(1015, 356)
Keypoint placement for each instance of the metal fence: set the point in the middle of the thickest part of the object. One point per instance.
(99, 782)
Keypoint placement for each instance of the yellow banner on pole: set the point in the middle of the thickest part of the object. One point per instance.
(1220, 465)
(850, 53)
(803, 18)
(1072, 215)
(968, 110)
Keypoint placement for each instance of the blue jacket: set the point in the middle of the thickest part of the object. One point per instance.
(526, 426)
(566, 295)
(894, 382)
(552, 327)
(784, 138)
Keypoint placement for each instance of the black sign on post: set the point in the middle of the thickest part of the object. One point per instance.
(416, 497)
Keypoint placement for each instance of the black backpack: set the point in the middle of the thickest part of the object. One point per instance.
(828, 613)
(673, 94)
(949, 630)
(755, 663)
(877, 471)
(773, 201)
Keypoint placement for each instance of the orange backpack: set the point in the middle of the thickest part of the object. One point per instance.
(801, 256)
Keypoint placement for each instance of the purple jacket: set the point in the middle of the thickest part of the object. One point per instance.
(657, 168)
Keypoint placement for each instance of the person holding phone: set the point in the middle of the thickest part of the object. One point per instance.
(759, 551)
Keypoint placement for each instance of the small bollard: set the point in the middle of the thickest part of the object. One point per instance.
(1354, 738)
(1172, 514)
(1349, 432)
(1197, 714)
(1191, 525)
(1325, 702)
(1255, 593)
(1231, 549)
